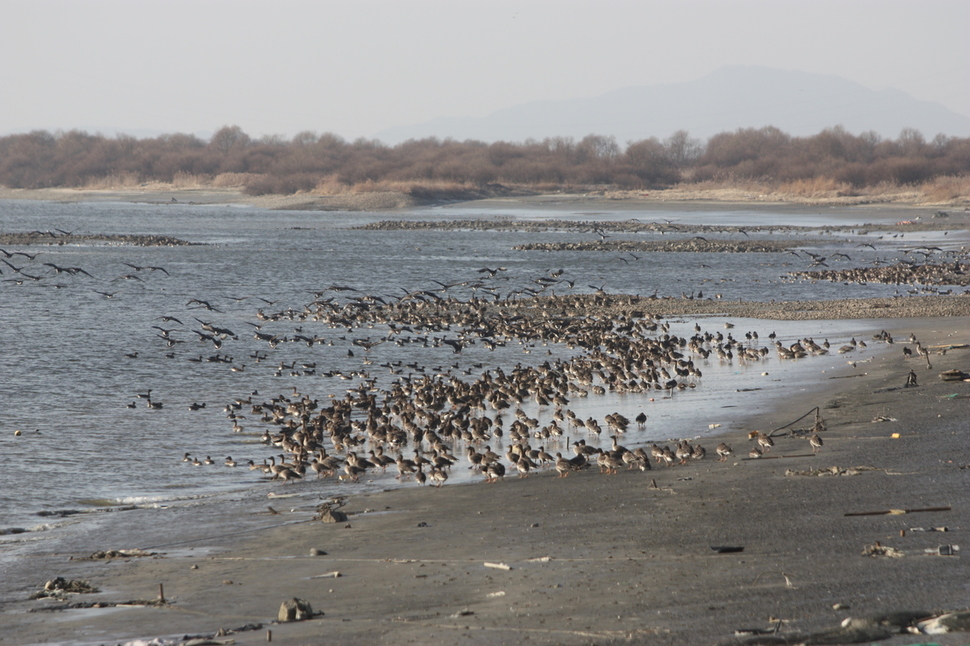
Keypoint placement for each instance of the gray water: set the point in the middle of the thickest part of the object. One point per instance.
(78, 349)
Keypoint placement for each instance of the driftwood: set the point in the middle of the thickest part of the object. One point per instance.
(895, 512)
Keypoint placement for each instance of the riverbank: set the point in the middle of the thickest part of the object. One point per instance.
(695, 197)
(591, 558)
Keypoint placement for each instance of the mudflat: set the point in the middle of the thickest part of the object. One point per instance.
(591, 558)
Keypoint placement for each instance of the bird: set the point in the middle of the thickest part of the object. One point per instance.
(816, 442)
(563, 466)
(420, 476)
(723, 451)
(765, 443)
(494, 471)
(438, 476)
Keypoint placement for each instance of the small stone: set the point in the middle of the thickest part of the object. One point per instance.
(332, 516)
(295, 609)
(317, 552)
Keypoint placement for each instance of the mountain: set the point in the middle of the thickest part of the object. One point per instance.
(799, 103)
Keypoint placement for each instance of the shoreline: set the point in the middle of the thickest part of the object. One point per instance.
(627, 562)
(698, 199)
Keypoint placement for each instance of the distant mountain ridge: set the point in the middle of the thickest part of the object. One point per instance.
(799, 103)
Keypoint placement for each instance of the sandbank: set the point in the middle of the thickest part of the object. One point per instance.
(695, 199)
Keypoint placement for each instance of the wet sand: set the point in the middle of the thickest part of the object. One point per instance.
(593, 558)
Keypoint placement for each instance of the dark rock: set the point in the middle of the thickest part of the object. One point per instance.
(295, 609)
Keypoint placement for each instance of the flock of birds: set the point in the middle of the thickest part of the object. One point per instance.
(413, 418)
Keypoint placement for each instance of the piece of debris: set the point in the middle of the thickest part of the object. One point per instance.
(951, 622)
(726, 549)
(328, 512)
(295, 609)
(498, 566)
(883, 418)
(331, 516)
(77, 605)
(954, 375)
(462, 613)
(860, 630)
(882, 550)
(830, 471)
(102, 555)
(492, 595)
(943, 550)
(328, 575)
(60, 586)
(759, 631)
(895, 512)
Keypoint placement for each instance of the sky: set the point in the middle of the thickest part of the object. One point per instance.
(356, 67)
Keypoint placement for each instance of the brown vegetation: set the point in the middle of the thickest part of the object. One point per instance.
(831, 163)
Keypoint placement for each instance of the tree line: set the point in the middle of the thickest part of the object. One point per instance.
(328, 163)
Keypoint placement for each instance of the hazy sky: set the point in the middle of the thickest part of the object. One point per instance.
(355, 67)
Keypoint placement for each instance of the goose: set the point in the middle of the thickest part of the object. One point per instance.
(438, 476)
(494, 472)
(563, 466)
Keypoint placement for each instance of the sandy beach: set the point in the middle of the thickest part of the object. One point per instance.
(593, 558)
